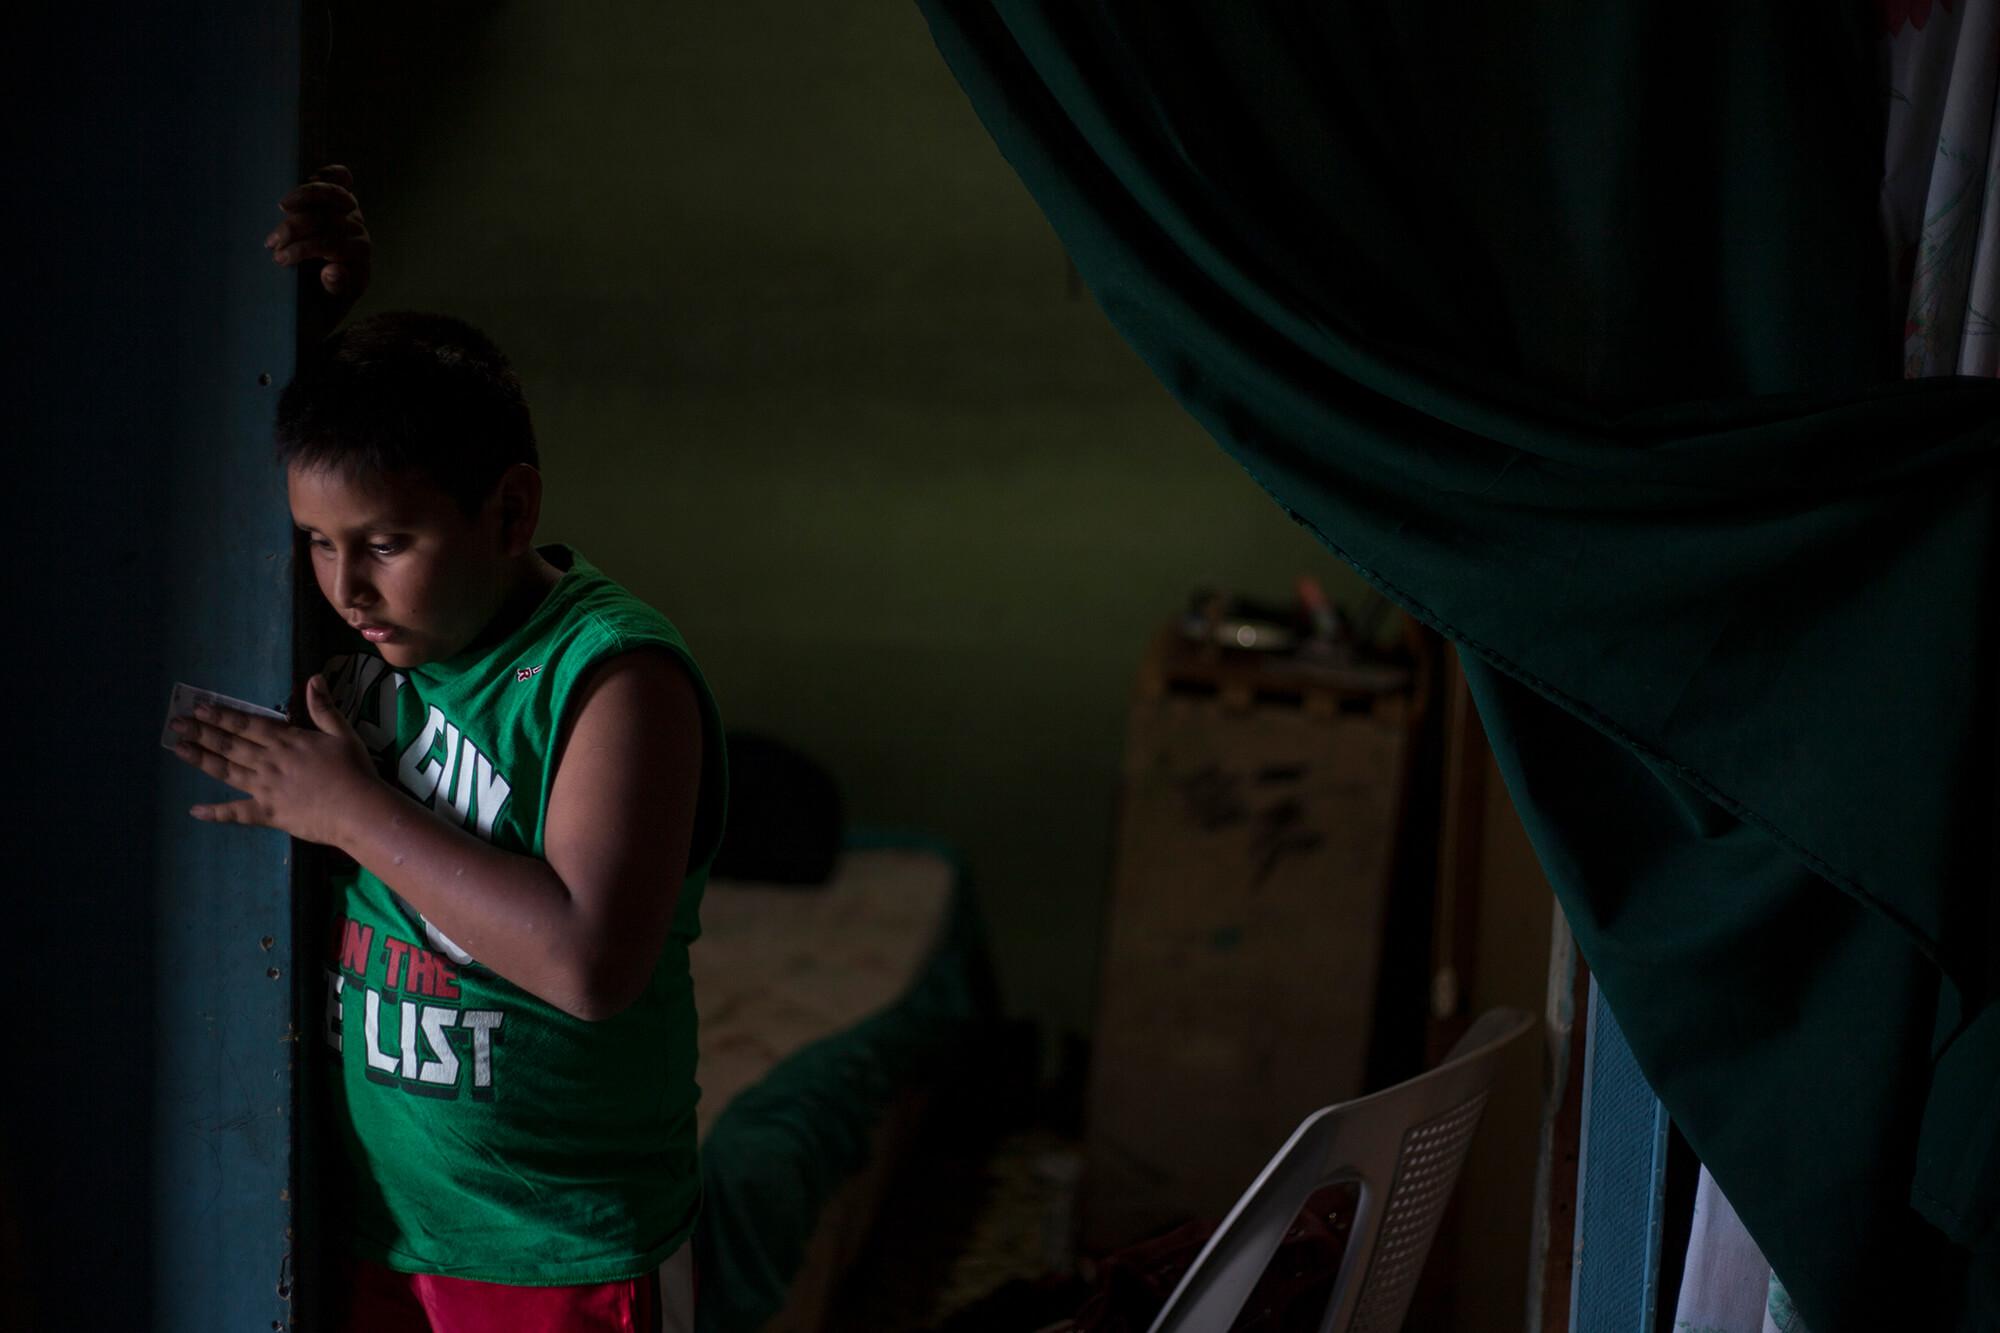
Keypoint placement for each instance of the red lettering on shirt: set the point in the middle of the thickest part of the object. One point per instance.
(354, 940)
(428, 974)
(396, 949)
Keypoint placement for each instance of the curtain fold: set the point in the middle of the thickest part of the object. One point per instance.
(1567, 329)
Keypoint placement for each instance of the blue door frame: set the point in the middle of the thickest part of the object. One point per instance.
(1620, 1186)
(146, 1144)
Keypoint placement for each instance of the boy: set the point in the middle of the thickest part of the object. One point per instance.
(526, 770)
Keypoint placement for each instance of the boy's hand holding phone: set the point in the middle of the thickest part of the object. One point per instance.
(305, 781)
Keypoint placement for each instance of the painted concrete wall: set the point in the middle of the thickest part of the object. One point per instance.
(811, 375)
(145, 1131)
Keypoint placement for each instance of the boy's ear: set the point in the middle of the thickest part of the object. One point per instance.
(520, 499)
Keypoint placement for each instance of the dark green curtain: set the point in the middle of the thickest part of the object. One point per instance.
(1569, 327)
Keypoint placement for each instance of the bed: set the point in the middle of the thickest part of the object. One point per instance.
(828, 1012)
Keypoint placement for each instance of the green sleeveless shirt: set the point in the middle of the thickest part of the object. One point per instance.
(491, 1135)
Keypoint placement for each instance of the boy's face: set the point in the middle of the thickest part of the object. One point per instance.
(400, 561)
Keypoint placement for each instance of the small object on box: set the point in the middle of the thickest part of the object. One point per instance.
(1317, 610)
(1237, 622)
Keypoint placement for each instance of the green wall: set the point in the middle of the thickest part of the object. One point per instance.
(811, 375)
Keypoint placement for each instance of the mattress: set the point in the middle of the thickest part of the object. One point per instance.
(780, 966)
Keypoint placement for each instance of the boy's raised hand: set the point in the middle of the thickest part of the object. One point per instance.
(306, 781)
(323, 222)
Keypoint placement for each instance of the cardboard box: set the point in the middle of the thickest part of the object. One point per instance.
(1257, 824)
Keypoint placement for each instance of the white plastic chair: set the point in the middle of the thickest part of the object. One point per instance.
(1402, 1147)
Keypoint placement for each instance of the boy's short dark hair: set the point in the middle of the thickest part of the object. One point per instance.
(405, 392)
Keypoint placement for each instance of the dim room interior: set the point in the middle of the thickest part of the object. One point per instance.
(1144, 905)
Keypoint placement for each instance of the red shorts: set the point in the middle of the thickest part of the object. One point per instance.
(380, 1300)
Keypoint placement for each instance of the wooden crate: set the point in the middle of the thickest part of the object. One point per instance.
(1257, 823)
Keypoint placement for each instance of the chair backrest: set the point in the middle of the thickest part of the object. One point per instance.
(1401, 1146)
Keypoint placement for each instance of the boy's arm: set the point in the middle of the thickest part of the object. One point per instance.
(583, 928)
